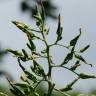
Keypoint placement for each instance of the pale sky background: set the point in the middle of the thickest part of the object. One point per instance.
(75, 14)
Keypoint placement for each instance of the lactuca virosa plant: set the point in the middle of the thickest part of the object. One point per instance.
(31, 80)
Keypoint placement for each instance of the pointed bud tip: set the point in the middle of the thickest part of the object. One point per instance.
(8, 50)
(14, 22)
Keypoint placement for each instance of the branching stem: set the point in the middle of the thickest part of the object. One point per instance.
(65, 68)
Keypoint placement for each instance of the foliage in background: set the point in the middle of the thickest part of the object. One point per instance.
(29, 5)
(31, 80)
(2, 54)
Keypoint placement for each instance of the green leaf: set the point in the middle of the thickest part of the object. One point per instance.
(74, 41)
(80, 58)
(22, 85)
(28, 45)
(42, 13)
(31, 45)
(24, 29)
(38, 17)
(18, 91)
(31, 35)
(14, 89)
(76, 65)
(59, 30)
(26, 87)
(69, 86)
(24, 59)
(21, 65)
(15, 52)
(68, 57)
(85, 48)
(30, 76)
(37, 69)
(20, 25)
(14, 92)
(25, 53)
(86, 76)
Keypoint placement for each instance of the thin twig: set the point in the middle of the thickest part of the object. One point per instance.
(34, 30)
(65, 68)
(59, 45)
(63, 93)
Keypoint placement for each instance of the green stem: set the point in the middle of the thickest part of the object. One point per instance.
(63, 93)
(48, 53)
(50, 89)
(34, 30)
(59, 45)
(50, 67)
(50, 85)
(67, 47)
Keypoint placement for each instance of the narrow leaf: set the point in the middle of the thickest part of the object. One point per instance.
(42, 13)
(68, 57)
(86, 76)
(30, 35)
(69, 86)
(22, 85)
(21, 65)
(75, 66)
(59, 30)
(28, 45)
(74, 41)
(37, 69)
(17, 90)
(15, 52)
(30, 76)
(85, 48)
(20, 25)
(25, 53)
(14, 92)
(32, 45)
(24, 29)
(80, 58)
